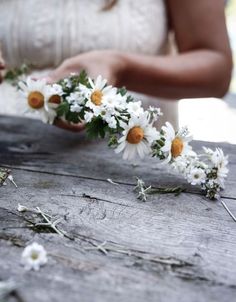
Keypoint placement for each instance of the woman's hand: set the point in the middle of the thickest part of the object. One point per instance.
(107, 63)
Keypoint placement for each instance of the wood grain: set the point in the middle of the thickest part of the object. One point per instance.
(167, 249)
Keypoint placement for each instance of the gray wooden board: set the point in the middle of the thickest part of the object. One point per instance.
(167, 249)
(33, 146)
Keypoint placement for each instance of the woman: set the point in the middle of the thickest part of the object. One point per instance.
(126, 41)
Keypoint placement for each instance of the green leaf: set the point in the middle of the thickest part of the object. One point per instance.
(63, 109)
(83, 78)
(73, 117)
(12, 75)
(122, 91)
(96, 128)
(113, 142)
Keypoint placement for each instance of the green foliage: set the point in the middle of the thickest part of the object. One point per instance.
(63, 109)
(83, 78)
(73, 117)
(97, 128)
(122, 91)
(113, 142)
(156, 148)
(12, 76)
(74, 81)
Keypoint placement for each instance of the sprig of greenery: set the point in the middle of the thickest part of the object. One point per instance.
(13, 75)
(143, 190)
(164, 190)
(48, 221)
(97, 128)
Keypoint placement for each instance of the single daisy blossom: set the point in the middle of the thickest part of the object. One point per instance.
(196, 176)
(98, 94)
(176, 144)
(138, 136)
(135, 108)
(38, 99)
(34, 256)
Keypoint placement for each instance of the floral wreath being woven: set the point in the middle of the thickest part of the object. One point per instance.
(112, 113)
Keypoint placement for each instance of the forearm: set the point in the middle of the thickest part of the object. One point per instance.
(200, 73)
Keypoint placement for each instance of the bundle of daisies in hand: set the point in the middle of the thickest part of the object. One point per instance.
(109, 112)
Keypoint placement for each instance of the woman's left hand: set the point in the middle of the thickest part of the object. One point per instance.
(107, 63)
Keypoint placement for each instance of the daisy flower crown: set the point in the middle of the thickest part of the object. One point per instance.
(111, 113)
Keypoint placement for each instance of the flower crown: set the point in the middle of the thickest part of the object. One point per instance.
(112, 113)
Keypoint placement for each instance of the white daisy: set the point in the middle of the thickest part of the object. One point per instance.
(38, 99)
(219, 160)
(75, 97)
(154, 113)
(76, 100)
(34, 256)
(137, 138)
(176, 144)
(99, 95)
(88, 117)
(112, 122)
(196, 176)
(135, 108)
(57, 89)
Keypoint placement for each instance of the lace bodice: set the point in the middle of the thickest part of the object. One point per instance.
(45, 32)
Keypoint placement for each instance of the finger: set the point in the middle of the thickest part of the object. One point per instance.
(66, 126)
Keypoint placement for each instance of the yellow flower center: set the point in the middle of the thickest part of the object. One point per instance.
(96, 97)
(55, 99)
(36, 100)
(177, 147)
(135, 135)
(34, 255)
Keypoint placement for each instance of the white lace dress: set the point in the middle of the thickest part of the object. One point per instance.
(45, 32)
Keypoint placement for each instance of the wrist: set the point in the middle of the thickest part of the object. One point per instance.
(122, 68)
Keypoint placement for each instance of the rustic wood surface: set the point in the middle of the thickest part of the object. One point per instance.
(167, 249)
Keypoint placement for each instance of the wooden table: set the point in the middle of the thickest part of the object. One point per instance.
(168, 249)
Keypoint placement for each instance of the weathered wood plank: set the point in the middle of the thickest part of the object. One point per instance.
(168, 227)
(33, 146)
(168, 249)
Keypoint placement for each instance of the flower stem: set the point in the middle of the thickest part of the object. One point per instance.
(228, 210)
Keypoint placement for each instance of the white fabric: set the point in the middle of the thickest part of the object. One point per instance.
(45, 32)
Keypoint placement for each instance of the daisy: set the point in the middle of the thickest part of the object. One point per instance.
(38, 99)
(76, 101)
(196, 176)
(88, 116)
(34, 256)
(138, 136)
(135, 108)
(220, 162)
(176, 144)
(99, 95)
